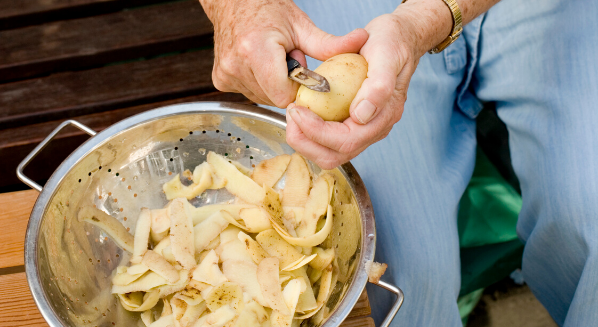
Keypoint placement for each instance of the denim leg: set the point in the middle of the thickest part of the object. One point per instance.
(415, 178)
(539, 64)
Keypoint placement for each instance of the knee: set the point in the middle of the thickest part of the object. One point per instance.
(435, 274)
(566, 217)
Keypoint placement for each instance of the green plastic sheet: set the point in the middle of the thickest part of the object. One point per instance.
(489, 207)
(487, 221)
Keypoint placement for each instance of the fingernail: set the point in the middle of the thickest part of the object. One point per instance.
(295, 115)
(291, 105)
(365, 111)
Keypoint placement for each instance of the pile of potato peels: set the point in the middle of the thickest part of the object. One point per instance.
(255, 261)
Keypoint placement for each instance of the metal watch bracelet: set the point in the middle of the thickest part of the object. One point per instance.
(457, 26)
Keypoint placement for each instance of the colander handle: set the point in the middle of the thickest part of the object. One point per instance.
(41, 146)
(396, 306)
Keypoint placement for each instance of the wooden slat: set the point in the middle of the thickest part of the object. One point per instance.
(21, 13)
(18, 309)
(359, 322)
(88, 42)
(15, 209)
(16, 304)
(16, 143)
(362, 307)
(73, 94)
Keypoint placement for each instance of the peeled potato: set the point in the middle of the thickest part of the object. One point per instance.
(345, 74)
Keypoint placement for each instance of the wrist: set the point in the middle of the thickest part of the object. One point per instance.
(431, 22)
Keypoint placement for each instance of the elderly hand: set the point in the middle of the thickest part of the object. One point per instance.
(252, 38)
(396, 42)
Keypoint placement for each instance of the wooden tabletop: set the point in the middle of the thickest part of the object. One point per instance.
(16, 304)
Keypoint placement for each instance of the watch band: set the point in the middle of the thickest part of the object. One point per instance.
(457, 26)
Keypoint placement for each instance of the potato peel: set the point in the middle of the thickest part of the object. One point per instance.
(142, 233)
(244, 274)
(207, 230)
(143, 284)
(254, 249)
(109, 225)
(325, 285)
(323, 259)
(202, 213)
(297, 182)
(291, 294)
(316, 205)
(267, 276)
(275, 246)
(313, 240)
(237, 183)
(226, 293)
(300, 263)
(182, 241)
(256, 219)
(160, 266)
(269, 171)
(149, 301)
(202, 180)
(208, 271)
(160, 224)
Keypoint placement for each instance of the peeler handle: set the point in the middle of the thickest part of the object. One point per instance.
(292, 64)
(42, 145)
(396, 305)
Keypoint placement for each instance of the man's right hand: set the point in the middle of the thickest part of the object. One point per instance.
(252, 38)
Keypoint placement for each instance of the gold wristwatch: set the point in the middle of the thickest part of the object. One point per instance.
(457, 26)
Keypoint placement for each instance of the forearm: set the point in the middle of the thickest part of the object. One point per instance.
(433, 20)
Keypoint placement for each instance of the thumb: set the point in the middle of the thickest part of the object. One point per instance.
(320, 45)
(376, 89)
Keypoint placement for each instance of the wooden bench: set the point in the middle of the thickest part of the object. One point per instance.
(96, 61)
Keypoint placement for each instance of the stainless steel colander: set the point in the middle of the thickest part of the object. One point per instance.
(69, 264)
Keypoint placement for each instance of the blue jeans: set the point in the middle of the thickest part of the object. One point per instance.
(537, 61)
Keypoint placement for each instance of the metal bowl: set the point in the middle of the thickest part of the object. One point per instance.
(69, 264)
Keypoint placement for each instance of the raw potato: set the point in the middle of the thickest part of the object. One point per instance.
(345, 74)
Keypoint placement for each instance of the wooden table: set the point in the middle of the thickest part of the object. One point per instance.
(16, 304)
(98, 62)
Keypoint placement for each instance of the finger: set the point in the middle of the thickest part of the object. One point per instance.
(253, 97)
(347, 137)
(271, 75)
(320, 45)
(333, 135)
(226, 83)
(378, 87)
(325, 158)
(254, 87)
(299, 56)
